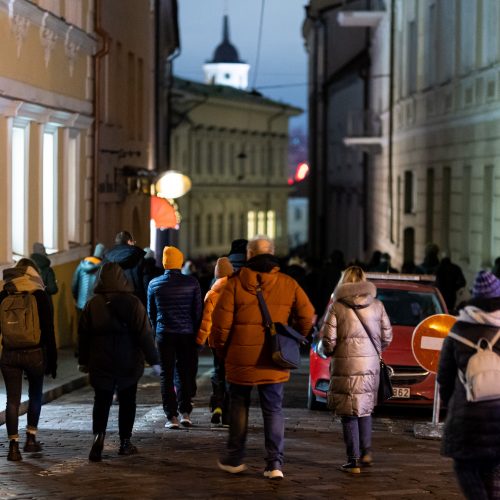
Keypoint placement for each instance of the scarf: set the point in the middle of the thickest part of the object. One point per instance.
(472, 314)
(22, 279)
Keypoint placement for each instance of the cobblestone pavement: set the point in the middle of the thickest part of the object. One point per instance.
(175, 464)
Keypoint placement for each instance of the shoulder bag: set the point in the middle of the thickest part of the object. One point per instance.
(385, 390)
(285, 341)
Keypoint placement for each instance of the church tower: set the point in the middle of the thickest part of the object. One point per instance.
(226, 68)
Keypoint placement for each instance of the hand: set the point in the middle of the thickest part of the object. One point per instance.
(83, 368)
(200, 347)
(156, 370)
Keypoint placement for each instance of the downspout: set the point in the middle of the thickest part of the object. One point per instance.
(391, 123)
(97, 114)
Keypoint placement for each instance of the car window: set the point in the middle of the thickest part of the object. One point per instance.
(409, 308)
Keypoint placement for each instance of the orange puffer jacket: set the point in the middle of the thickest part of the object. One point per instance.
(211, 299)
(238, 330)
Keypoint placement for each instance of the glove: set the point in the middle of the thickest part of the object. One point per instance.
(156, 370)
(83, 368)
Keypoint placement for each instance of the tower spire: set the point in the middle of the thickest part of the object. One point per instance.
(225, 29)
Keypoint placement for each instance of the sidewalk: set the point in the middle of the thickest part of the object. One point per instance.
(68, 379)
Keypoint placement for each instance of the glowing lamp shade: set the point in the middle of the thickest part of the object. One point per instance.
(172, 184)
(302, 171)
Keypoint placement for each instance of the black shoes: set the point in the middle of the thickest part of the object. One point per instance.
(352, 467)
(127, 448)
(95, 454)
(32, 445)
(216, 416)
(14, 453)
(366, 460)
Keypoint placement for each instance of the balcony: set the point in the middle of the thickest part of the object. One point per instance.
(364, 131)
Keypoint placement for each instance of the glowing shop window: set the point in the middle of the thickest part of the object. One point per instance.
(261, 222)
(18, 189)
(251, 225)
(49, 189)
(271, 224)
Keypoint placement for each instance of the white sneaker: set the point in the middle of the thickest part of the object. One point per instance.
(172, 423)
(273, 474)
(186, 421)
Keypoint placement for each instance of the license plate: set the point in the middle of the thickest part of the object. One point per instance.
(401, 392)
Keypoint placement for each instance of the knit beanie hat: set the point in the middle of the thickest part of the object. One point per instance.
(486, 285)
(39, 248)
(172, 258)
(223, 268)
(238, 246)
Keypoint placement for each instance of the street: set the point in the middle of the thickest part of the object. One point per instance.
(182, 463)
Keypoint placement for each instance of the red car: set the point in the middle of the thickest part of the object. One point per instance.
(408, 299)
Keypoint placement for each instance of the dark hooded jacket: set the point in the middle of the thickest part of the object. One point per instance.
(114, 334)
(84, 280)
(46, 272)
(131, 260)
(471, 430)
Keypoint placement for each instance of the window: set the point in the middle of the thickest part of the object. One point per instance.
(222, 158)
(468, 11)
(251, 224)
(261, 222)
(19, 174)
(197, 231)
(197, 156)
(73, 187)
(446, 210)
(210, 158)
(49, 186)
(140, 99)
(487, 234)
(232, 160)
(429, 208)
(431, 47)
(253, 161)
(409, 194)
(271, 224)
(73, 12)
(466, 196)
(131, 94)
(412, 57)
(220, 228)
(209, 229)
(231, 226)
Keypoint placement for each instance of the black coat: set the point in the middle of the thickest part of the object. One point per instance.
(174, 303)
(131, 260)
(114, 333)
(472, 430)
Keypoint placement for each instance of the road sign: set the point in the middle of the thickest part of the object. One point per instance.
(428, 338)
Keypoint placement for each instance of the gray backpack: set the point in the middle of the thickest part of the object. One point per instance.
(19, 322)
(482, 374)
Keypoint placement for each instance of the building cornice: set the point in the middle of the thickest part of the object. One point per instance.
(23, 13)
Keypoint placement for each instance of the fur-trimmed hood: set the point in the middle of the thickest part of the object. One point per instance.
(358, 295)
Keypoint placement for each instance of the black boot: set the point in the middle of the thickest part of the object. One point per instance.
(127, 448)
(32, 445)
(96, 450)
(14, 453)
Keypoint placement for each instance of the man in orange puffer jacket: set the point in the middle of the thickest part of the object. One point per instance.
(219, 401)
(240, 338)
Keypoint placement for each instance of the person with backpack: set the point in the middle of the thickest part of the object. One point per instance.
(469, 385)
(29, 346)
(114, 337)
(43, 265)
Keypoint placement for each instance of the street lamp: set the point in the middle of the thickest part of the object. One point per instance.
(172, 184)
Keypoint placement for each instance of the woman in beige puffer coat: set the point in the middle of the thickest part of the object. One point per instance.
(355, 363)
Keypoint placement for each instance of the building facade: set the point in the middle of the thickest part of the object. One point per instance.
(233, 145)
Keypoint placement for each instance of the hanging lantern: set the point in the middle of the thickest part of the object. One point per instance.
(172, 184)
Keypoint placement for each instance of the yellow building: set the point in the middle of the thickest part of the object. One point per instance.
(76, 128)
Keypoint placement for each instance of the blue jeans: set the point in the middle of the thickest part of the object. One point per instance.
(357, 436)
(13, 364)
(478, 479)
(271, 402)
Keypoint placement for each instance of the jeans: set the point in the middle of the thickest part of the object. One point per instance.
(126, 413)
(13, 364)
(271, 401)
(478, 479)
(357, 435)
(220, 397)
(178, 352)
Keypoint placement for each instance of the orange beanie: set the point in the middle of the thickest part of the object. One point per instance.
(172, 258)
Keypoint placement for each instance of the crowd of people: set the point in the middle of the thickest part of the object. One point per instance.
(133, 312)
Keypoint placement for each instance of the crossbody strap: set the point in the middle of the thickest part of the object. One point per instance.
(363, 325)
(471, 344)
(268, 323)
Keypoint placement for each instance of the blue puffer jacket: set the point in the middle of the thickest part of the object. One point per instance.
(174, 303)
(84, 280)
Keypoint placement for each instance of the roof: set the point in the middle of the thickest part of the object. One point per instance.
(231, 93)
(226, 52)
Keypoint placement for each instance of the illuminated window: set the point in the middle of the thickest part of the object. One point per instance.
(261, 222)
(231, 226)
(49, 201)
(251, 224)
(220, 228)
(271, 224)
(19, 168)
(73, 189)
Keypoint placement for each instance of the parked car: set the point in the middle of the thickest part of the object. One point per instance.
(408, 299)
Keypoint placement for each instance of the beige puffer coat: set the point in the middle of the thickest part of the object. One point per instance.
(355, 364)
(237, 325)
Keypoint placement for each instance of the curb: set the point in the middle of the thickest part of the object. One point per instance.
(51, 394)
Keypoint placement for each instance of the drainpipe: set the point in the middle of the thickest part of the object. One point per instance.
(97, 114)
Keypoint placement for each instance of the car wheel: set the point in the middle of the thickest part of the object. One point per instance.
(312, 403)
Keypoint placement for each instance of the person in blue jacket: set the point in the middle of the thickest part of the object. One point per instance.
(175, 308)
